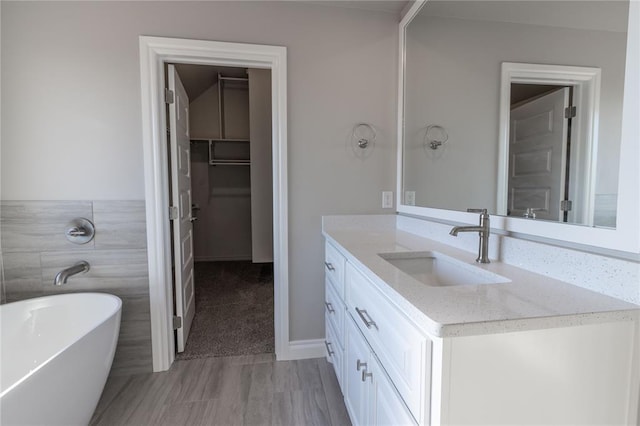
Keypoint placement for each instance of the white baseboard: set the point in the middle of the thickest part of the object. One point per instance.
(304, 349)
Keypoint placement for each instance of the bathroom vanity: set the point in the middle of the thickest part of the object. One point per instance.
(418, 333)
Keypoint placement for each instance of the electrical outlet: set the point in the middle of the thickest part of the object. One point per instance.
(387, 199)
(410, 198)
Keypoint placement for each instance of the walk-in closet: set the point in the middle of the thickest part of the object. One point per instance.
(231, 210)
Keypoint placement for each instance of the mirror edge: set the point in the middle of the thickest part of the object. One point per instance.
(626, 236)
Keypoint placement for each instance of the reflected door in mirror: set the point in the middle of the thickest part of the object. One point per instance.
(538, 156)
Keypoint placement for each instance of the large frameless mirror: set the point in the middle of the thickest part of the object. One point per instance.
(514, 106)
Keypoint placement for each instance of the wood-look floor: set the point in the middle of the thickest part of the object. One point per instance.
(242, 390)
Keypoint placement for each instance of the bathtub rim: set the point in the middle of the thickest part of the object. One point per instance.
(117, 310)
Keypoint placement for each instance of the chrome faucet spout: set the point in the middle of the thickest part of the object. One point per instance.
(63, 276)
(454, 231)
(483, 231)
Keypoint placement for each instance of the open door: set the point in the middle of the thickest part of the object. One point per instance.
(181, 220)
(538, 157)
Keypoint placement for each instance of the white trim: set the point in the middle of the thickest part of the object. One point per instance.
(626, 236)
(305, 349)
(154, 53)
(411, 13)
(584, 134)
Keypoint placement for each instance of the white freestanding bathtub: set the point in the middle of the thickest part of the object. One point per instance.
(55, 357)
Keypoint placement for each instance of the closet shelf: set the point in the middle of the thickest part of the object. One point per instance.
(196, 140)
(219, 162)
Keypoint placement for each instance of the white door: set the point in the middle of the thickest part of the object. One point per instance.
(182, 227)
(538, 156)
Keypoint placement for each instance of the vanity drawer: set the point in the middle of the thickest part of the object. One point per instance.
(335, 353)
(402, 349)
(334, 310)
(334, 263)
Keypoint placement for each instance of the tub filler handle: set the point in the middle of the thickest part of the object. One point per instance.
(63, 276)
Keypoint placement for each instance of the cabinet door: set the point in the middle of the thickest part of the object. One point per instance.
(387, 407)
(357, 390)
(335, 353)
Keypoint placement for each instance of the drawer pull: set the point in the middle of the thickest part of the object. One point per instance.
(329, 266)
(328, 345)
(329, 307)
(368, 322)
(365, 375)
(360, 364)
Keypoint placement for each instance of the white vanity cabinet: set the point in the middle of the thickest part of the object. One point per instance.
(352, 339)
(335, 310)
(370, 397)
(393, 371)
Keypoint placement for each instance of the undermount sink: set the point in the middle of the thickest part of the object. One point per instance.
(438, 270)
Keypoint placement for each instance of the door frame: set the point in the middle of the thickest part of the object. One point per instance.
(155, 52)
(584, 128)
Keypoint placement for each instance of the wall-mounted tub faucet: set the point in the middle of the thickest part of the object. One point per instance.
(482, 229)
(63, 276)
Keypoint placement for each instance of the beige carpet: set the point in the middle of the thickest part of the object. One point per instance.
(234, 310)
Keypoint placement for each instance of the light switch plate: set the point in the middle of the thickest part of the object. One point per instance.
(410, 198)
(387, 199)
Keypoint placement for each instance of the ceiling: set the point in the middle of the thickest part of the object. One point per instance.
(198, 78)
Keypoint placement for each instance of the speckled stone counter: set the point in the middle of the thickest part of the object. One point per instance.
(528, 301)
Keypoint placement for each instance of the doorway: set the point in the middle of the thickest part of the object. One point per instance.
(221, 175)
(155, 52)
(584, 84)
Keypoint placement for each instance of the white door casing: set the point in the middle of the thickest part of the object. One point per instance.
(155, 52)
(538, 156)
(182, 227)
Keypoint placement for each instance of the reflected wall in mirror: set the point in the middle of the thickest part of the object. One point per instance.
(455, 53)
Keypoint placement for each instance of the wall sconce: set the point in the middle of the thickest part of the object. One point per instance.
(363, 136)
(435, 136)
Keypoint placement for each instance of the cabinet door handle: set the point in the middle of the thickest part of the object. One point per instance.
(329, 307)
(360, 364)
(368, 322)
(328, 345)
(329, 266)
(365, 375)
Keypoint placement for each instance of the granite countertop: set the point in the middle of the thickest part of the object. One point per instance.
(528, 301)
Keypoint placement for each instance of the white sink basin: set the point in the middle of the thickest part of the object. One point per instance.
(436, 269)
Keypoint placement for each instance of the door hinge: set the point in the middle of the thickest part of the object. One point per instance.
(168, 96)
(177, 322)
(570, 112)
(173, 213)
(565, 205)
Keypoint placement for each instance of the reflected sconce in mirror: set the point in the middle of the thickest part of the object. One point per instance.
(435, 136)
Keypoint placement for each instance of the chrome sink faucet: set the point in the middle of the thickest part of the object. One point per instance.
(62, 276)
(483, 230)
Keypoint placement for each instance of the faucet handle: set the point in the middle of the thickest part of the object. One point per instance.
(483, 211)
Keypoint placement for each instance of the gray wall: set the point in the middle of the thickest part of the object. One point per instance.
(261, 168)
(71, 87)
